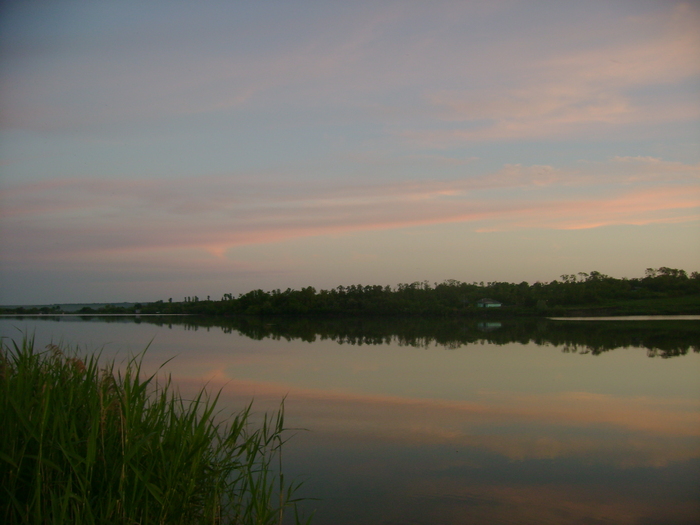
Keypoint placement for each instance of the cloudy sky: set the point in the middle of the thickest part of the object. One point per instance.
(161, 149)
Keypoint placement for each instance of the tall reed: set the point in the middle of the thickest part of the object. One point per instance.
(82, 443)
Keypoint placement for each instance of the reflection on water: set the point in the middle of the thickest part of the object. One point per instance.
(664, 337)
(489, 327)
(450, 422)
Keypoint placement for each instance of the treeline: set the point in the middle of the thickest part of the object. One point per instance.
(663, 290)
(660, 291)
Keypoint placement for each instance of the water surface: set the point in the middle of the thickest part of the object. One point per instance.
(450, 422)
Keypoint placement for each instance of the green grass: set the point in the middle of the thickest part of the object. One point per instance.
(83, 443)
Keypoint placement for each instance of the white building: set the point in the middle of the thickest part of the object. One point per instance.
(488, 303)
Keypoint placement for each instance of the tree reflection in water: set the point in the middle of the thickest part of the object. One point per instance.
(662, 338)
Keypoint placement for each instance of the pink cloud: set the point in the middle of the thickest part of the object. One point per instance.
(636, 207)
(577, 92)
(215, 214)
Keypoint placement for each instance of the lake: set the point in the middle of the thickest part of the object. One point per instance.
(434, 422)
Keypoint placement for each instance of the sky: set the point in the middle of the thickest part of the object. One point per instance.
(159, 149)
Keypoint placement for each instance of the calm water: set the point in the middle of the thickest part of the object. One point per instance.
(416, 422)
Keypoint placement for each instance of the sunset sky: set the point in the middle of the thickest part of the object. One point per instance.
(166, 149)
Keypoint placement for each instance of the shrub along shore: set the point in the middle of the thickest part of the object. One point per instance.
(83, 443)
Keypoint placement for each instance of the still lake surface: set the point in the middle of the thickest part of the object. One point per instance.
(448, 422)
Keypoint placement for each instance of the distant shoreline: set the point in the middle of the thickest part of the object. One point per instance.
(662, 291)
(621, 317)
(95, 315)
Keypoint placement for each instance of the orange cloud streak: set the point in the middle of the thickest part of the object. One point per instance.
(115, 218)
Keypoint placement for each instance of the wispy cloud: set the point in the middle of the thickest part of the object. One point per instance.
(520, 87)
(580, 92)
(217, 213)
